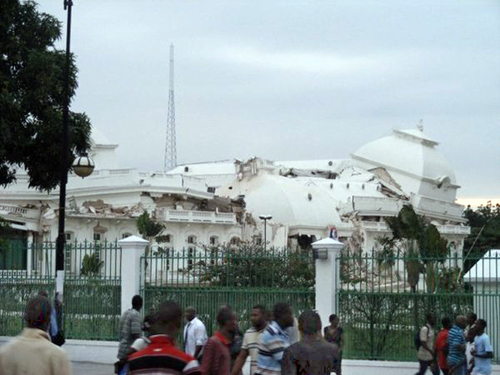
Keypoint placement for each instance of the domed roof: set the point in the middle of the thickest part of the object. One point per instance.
(290, 201)
(410, 152)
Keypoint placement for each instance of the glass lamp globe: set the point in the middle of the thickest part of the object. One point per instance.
(83, 166)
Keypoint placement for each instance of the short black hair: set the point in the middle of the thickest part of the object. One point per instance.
(429, 316)
(224, 315)
(310, 322)
(169, 312)
(472, 316)
(137, 301)
(446, 322)
(260, 307)
(150, 319)
(481, 322)
(332, 318)
(281, 309)
(37, 314)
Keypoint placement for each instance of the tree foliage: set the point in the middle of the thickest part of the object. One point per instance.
(485, 232)
(149, 228)
(91, 265)
(32, 97)
(253, 266)
(419, 241)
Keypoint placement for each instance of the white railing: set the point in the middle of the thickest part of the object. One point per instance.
(199, 216)
(454, 229)
(375, 226)
(7, 209)
(436, 206)
(376, 204)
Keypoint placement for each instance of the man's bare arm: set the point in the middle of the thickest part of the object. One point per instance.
(239, 362)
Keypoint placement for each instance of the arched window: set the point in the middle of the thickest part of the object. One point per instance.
(191, 240)
(126, 234)
(214, 240)
(235, 241)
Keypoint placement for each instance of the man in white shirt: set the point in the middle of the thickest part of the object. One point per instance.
(195, 334)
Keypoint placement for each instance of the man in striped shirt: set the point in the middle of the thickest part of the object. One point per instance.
(251, 340)
(456, 345)
(162, 356)
(274, 341)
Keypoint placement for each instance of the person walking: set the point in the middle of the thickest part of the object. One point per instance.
(274, 341)
(195, 334)
(456, 347)
(425, 352)
(251, 339)
(32, 352)
(130, 330)
(217, 357)
(483, 350)
(334, 334)
(441, 346)
(312, 354)
(162, 356)
(471, 320)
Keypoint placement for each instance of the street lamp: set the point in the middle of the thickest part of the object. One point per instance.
(83, 166)
(265, 218)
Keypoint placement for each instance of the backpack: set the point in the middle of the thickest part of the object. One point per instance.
(416, 338)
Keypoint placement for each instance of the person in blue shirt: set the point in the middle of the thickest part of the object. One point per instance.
(483, 351)
(456, 345)
(274, 341)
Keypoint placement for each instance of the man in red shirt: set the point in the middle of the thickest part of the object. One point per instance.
(441, 345)
(217, 357)
(162, 355)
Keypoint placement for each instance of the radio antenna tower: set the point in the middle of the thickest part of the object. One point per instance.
(170, 145)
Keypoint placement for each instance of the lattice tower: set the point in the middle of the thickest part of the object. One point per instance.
(170, 144)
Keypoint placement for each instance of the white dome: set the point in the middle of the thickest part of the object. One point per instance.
(290, 201)
(409, 152)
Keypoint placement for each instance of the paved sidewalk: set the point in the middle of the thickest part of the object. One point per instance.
(86, 368)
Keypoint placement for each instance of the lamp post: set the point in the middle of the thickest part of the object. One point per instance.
(82, 167)
(265, 218)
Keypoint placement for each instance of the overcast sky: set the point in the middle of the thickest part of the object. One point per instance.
(292, 79)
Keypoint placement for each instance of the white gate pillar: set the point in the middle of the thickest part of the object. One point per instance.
(133, 248)
(325, 253)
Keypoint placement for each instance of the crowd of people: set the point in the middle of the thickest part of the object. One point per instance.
(277, 343)
(462, 348)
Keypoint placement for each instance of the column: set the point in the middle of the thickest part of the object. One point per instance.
(326, 252)
(133, 248)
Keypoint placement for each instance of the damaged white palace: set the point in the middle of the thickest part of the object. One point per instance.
(215, 203)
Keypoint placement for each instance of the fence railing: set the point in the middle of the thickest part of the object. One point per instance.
(210, 277)
(92, 286)
(384, 297)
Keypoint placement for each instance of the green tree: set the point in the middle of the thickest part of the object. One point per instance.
(253, 266)
(32, 97)
(91, 265)
(485, 232)
(419, 242)
(150, 230)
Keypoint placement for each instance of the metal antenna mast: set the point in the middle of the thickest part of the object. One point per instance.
(170, 145)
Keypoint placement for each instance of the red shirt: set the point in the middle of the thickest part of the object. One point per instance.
(216, 356)
(441, 343)
(160, 356)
